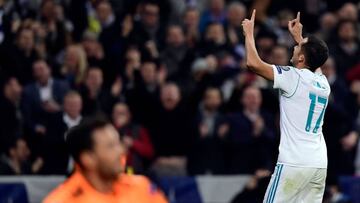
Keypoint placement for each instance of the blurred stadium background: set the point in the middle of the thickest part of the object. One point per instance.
(170, 75)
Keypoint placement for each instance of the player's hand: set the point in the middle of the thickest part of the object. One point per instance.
(295, 28)
(248, 25)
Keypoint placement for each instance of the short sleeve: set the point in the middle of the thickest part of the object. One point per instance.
(286, 78)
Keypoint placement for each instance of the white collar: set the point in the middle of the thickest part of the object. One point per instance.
(71, 122)
(48, 84)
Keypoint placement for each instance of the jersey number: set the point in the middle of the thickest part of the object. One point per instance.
(313, 98)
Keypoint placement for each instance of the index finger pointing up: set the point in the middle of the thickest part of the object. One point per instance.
(253, 15)
(298, 17)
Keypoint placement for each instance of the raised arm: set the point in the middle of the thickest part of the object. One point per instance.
(253, 61)
(295, 28)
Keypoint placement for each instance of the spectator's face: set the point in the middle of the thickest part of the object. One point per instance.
(347, 32)
(121, 115)
(284, 17)
(170, 96)
(217, 6)
(13, 89)
(175, 36)
(21, 151)
(148, 72)
(151, 15)
(94, 79)
(216, 34)
(236, 15)
(72, 57)
(107, 153)
(49, 10)
(280, 56)
(328, 21)
(348, 12)
(91, 47)
(329, 69)
(133, 55)
(26, 40)
(265, 43)
(41, 72)
(73, 105)
(212, 99)
(103, 11)
(252, 99)
(191, 18)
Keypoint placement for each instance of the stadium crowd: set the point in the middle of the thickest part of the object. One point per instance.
(171, 76)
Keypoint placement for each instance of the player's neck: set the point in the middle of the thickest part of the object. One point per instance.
(301, 66)
(99, 184)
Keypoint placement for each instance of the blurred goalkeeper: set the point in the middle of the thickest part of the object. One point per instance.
(97, 150)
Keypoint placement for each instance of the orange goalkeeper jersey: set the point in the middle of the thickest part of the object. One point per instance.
(128, 189)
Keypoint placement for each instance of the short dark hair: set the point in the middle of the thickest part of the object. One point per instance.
(80, 137)
(316, 52)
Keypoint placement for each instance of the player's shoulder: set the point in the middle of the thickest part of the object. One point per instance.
(319, 83)
(139, 183)
(135, 180)
(284, 69)
(66, 192)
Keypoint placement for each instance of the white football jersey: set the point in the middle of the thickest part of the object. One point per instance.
(303, 100)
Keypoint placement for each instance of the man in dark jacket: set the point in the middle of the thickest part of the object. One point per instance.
(42, 99)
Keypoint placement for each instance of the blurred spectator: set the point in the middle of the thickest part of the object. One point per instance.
(208, 154)
(75, 65)
(340, 95)
(42, 98)
(281, 31)
(348, 11)
(235, 15)
(16, 160)
(96, 98)
(346, 47)
(176, 55)
(171, 132)
(265, 39)
(104, 14)
(214, 40)
(109, 26)
(191, 26)
(148, 33)
(339, 140)
(146, 86)
(333, 193)
(328, 22)
(215, 14)
(255, 189)
(135, 137)
(251, 131)
(56, 158)
(11, 117)
(18, 60)
(55, 31)
(93, 50)
(280, 55)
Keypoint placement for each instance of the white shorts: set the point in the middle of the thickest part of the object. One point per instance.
(296, 184)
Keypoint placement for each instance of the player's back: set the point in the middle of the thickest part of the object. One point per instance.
(303, 100)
